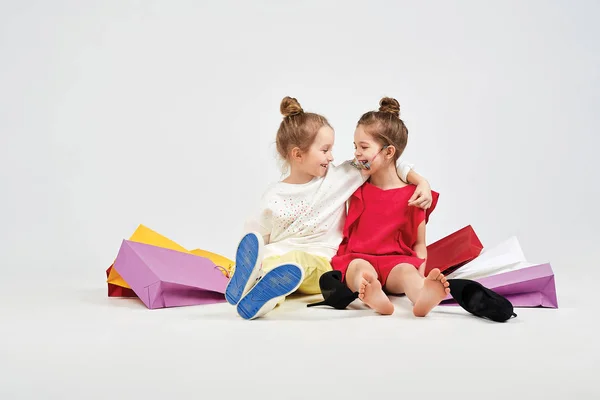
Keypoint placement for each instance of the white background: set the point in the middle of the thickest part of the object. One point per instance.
(164, 113)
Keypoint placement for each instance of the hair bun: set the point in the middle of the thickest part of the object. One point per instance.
(390, 105)
(290, 106)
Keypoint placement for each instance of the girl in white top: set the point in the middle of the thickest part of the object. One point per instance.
(299, 225)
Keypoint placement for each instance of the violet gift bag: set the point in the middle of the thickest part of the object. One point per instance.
(163, 277)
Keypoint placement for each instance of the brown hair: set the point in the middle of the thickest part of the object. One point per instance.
(386, 126)
(298, 128)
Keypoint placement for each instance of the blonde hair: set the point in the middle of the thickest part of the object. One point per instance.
(298, 128)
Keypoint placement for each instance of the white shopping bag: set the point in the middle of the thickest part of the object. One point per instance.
(505, 257)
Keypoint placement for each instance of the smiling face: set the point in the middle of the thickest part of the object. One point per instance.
(380, 136)
(316, 160)
(367, 149)
(305, 141)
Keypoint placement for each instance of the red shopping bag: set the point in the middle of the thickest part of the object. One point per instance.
(118, 291)
(451, 252)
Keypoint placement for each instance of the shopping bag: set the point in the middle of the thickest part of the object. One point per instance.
(532, 286)
(507, 256)
(163, 277)
(453, 251)
(118, 291)
(146, 235)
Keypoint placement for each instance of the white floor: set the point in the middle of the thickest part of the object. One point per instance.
(63, 338)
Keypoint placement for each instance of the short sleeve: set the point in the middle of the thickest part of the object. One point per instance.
(421, 215)
(403, 169)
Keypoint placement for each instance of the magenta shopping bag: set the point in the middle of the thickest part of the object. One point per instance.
(163, 277)
(527, 287)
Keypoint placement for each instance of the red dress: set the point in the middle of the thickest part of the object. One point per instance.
(381, 228)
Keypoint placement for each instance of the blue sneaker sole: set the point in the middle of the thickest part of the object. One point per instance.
(245, 261)
(278, 282)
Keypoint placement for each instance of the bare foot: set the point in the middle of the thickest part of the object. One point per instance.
(435, 288)
(372, 295)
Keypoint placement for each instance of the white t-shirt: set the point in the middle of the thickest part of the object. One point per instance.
(309, 217)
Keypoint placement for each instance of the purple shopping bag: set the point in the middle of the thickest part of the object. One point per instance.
(527, 287)
(162, 277)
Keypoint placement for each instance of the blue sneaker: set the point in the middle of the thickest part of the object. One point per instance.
(248, 259)
(269, 290)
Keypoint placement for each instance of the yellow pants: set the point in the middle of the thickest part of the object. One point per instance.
(314, 267)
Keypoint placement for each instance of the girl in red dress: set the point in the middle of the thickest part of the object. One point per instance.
(383, 246)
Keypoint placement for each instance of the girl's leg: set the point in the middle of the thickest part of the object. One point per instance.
(405, 279)
(424, 293)
(354, 273)
(314, 266)
(361, 277)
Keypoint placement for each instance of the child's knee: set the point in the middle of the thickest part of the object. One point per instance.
(307, 261)
(294, 256)
(404, 269)
(359, 265)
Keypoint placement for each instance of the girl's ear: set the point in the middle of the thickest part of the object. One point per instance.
(390, 151)
(296, 154)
